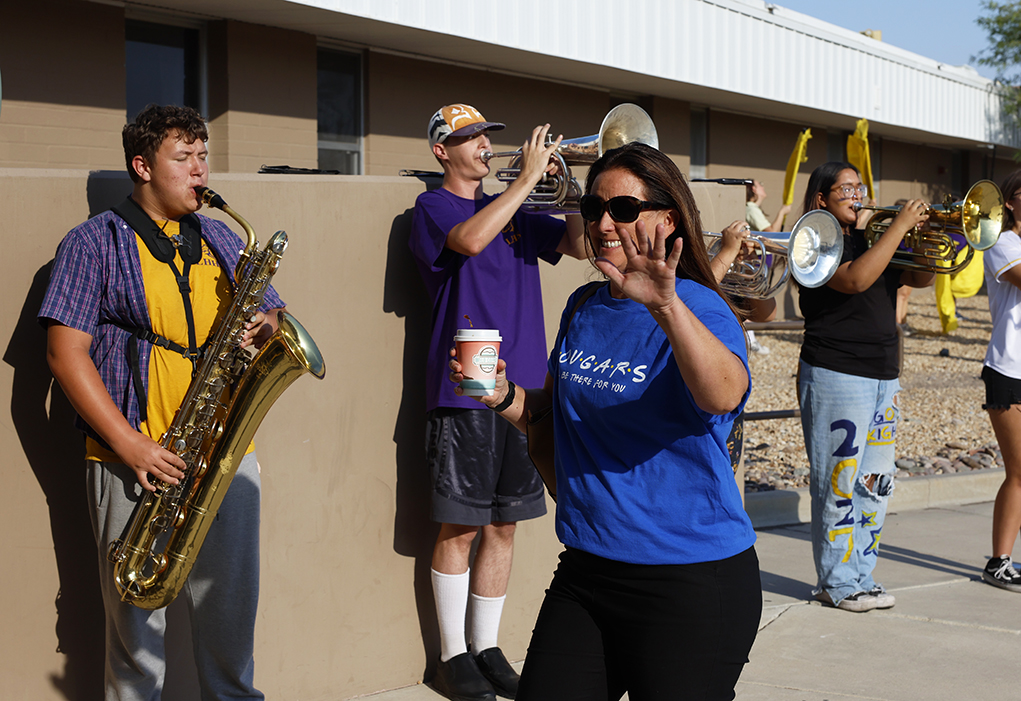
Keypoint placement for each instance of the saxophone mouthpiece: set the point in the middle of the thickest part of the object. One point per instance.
(210, 198)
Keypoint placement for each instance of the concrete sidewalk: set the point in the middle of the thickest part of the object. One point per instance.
(950, 636)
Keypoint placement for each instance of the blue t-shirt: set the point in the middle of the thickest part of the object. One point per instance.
(643, 474)
(497, 289)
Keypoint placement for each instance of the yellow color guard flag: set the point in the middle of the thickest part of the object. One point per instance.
(798, 156)
(858, 154)
(963, 283)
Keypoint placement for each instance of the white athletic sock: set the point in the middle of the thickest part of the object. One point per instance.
(450, 592)
(486, 613)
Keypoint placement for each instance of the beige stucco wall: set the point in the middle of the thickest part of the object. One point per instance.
(346, 604)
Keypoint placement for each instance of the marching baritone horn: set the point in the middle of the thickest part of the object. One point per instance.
(558, 193)
(975, 221)
(810, 254)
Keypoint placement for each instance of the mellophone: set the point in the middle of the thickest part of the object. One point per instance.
(974, 222)
(810, 253)
(559, 192)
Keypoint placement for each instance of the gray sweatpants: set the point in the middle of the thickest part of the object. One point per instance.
(222, 592)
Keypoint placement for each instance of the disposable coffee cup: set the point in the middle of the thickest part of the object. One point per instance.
(477, 351)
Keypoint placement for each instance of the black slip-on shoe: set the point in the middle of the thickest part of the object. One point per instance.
(460, 679)
(495, 667)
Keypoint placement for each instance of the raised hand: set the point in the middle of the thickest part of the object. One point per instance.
(650, 275)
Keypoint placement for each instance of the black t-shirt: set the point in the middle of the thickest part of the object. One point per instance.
(853, 334)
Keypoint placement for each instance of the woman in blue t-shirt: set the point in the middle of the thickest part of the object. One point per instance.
(657, 593)
(848, 389)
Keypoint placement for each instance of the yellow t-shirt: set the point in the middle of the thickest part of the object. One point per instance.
(170, 372)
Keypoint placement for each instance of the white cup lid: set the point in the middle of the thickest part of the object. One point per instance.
(478, 335)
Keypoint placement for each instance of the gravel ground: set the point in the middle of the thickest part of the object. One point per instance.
(942, 427)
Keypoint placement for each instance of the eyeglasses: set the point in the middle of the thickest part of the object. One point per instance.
(850, 190)
(623, 209)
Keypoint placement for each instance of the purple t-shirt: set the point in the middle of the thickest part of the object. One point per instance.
(497, 289)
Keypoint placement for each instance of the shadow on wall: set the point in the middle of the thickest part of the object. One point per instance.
(54, 448)
(415, 534)
(55, 451)
(106, 189)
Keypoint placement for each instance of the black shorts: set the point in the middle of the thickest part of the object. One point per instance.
(481, 473)
(1001, 391)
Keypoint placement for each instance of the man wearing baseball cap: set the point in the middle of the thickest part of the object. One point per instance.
(478, 256)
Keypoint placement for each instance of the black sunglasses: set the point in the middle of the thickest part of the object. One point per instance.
(623, 209)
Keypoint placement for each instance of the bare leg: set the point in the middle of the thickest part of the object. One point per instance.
(1007, 509)
(493, 560)
(902, 303)
(453, 546)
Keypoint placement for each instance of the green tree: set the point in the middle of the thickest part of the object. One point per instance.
(1002, 22)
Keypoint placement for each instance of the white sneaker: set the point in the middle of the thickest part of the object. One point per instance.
(884, 599)
(858, 602)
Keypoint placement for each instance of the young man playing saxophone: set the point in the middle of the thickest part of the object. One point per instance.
(478, 256)
(128, 308)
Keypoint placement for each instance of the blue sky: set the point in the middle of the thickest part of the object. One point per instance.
(943, 30)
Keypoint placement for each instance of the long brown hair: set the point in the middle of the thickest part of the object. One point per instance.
(664, 183)
(1011, 184)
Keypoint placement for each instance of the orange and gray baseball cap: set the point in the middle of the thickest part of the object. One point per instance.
(457, 120)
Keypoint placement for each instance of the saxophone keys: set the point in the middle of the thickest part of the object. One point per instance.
(202, 464)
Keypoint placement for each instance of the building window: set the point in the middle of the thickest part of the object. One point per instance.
(340, 111)
(699, 141)
(161, 66)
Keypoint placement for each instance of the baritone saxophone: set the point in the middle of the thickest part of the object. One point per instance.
(229, 396)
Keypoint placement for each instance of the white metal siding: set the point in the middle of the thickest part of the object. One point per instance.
(736, 46)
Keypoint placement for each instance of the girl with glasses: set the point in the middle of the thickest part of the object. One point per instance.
(657, 593)
(848, 389)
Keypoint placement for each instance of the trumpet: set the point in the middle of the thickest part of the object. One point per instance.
(974, 222)
(810, 254)
(559, 192)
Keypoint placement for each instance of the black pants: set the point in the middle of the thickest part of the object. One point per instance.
(669, 632)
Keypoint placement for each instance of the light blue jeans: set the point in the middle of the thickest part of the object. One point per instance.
(850, 426)
(222, 593)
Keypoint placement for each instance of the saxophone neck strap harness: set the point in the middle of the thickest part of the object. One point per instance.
(163, 249)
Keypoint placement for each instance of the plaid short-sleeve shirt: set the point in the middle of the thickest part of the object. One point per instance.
(96, 283)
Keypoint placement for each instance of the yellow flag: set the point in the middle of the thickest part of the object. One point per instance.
(858, 154)
(798, 156)
(964, 283)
